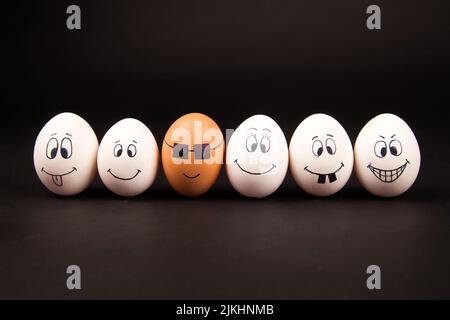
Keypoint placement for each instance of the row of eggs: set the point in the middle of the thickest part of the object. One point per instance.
(320, 155)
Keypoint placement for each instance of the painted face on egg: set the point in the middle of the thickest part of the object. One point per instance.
(321, 155)
(128, 158)
(387, 156)
(65, 154)
(257, 157)
(192, 154)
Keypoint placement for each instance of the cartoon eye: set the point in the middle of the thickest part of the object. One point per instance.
(317, 148)
(330, 145)
(66, 148)
(252, 143)
(118, 150)
(395, 147)
(131, 150)
(265, 144)
(52, 148)
(380, 149)
(180, 151)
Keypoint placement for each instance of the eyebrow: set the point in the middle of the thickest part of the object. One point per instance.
(330, 135)
(53, 134)
(314, 137)
(382, 136)
(117, 141)
(134, 141)
(68, 134)
(267, 130)
(393, 135)
(251, 129)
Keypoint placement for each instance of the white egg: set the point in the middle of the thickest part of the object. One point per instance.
(128, 158)
(65, 154)
(320, 155)
(257, 157)
(387, 156)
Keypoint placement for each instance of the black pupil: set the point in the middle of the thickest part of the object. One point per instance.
(383, 151)
(319, 151)
(119, 152)
(180, 153)
(53, 152)
(64, 152)
(263, 148)
(330, 151)
(393, 151)
(130, 153)
(254, 146)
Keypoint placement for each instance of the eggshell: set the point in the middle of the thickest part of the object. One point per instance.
(387, 156)
(257, 157)
(192, 154)
(320, 155)
(128, 158)
(65, 154)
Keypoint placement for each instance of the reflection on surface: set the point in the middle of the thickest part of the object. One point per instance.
(223, 245)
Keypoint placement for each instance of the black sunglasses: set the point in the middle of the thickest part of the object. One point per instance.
(201, 151)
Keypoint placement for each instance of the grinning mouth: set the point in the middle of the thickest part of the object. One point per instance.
(322, 177)
(120, 178)
(58, 178)
(388, 176)
(255, 173)
(191, 177)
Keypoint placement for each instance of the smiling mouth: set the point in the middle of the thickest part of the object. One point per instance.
(255, 173)
(388, 176)
(58, 178)
(191, 177)
(120, 178)
(322, 177)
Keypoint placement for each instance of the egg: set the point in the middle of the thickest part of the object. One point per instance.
(257, 157)
(387, 156)
(65, 154)
(192, 154)
(128, 158)
(320, 155)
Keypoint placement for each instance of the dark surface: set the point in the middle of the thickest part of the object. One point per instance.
(229, 59)
(288, 246)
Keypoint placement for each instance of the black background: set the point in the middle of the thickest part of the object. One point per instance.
(157, 60)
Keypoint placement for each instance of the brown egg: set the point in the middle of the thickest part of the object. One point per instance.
(192, 154)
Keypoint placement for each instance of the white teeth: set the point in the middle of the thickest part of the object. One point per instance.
(388, 175)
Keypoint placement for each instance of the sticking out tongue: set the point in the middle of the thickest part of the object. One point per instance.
(57, 180)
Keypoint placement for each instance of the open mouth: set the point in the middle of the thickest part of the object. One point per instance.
(388, 176)
(117, 177)
(255, 173)
(322, 177)
(191, 177)
(58, 178)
